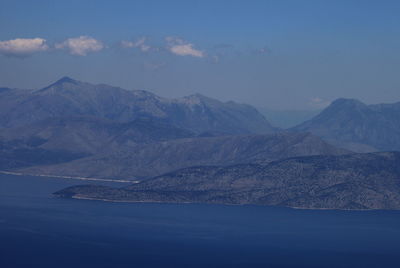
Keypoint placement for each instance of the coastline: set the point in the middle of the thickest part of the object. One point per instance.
(78, 197)
(68, 177)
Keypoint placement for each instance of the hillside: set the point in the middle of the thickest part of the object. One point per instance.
(355, 181)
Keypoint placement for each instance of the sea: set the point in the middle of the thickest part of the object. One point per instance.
(39, 230)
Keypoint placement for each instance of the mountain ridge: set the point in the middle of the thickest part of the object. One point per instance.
(69, 97)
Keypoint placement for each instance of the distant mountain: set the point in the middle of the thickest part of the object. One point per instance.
(147, 160)
(287, 118)
(354, 125)
(68, 97)
(356, 181)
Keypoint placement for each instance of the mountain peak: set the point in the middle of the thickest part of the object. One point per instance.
(66, 79)
(59, 83)
(345, 105)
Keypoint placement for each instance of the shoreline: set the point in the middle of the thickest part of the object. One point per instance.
(68, 177)
(223, 204)
(162, 202)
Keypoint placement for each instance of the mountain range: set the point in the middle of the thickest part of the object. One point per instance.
(198, 149)
(68, 97)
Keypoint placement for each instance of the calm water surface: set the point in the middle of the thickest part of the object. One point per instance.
(37, 230)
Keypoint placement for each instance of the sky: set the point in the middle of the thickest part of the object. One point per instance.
(278, 54)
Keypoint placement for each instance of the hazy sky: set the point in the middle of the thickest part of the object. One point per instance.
(277, 54)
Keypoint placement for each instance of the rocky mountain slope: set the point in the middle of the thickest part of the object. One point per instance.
(355, 181)
(354, 125)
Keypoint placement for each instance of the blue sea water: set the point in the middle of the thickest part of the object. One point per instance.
(38, 230)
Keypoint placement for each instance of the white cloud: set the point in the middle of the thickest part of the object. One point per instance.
(23, 47)
(141, 44)
(81, 46)
(182, 48)
(186, 50)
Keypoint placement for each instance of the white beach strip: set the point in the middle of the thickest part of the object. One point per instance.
(68, 177)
